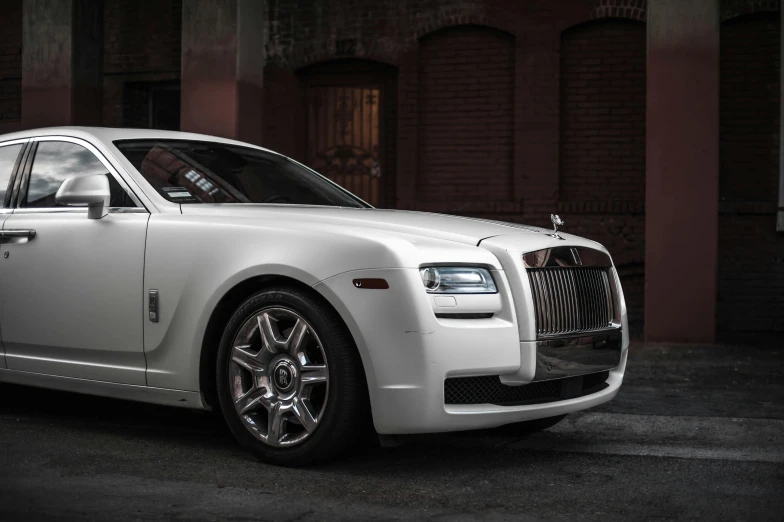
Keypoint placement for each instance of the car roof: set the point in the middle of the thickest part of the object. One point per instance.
(109, 134)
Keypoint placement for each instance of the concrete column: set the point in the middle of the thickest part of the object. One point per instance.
(62, 62)
(682, 186)
(222, 68)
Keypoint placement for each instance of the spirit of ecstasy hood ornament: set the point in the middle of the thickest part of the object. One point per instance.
(557, 222)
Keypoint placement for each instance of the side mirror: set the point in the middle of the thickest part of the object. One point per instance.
(90, 191)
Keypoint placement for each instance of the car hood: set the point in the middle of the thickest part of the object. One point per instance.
(440, 226)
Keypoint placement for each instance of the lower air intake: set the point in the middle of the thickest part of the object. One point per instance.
(490, 390)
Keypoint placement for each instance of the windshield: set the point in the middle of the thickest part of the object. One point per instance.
(210, 172)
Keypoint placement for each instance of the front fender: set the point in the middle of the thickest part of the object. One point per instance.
(194, 261)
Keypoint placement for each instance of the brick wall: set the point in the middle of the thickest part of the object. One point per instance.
(751, 253)
(142, 44)
(602, 150)
(142, 35)
(602, 144)
(466, 79)
(10, 64)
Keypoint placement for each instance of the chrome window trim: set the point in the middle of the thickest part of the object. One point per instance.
(106, 163)
(14, 142)
(76, 210)
(15, 172)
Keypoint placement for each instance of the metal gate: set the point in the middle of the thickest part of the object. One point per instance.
(343, 137)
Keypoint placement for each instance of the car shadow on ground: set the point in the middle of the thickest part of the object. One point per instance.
(206, 431)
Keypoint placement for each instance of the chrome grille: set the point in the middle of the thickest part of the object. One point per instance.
(571, 299)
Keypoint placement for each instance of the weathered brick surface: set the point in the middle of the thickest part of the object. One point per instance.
(466, 115)
(628, 9)
(11, 61)
(603, 112)
(751, 253)
(142, 35)
(733, 8)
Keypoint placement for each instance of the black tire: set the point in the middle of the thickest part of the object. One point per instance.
(346, 412)
(522, 429)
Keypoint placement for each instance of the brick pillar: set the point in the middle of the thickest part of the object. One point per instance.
(222, 68)
(62, 62)
(681, 231)
(536, 167)
(407, 131)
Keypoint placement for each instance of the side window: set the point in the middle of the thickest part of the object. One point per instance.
(55, 161)
(8, 157)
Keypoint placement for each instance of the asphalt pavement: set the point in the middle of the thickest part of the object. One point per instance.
(696, 433)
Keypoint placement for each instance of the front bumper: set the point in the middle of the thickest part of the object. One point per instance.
(408, 353)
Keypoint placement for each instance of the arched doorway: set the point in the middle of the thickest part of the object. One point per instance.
(350, 123)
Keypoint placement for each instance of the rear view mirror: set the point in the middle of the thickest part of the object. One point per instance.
(90, 191)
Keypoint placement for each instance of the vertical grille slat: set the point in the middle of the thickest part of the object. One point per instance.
(557, 299)
(592, 295)
(571, 299)
(606, 279)
(551, 313)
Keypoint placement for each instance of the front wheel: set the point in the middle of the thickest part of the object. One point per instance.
(290, 381)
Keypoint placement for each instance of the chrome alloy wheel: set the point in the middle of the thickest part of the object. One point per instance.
(278, 377)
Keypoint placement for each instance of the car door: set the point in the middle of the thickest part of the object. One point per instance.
(10, 156)
(71, 295)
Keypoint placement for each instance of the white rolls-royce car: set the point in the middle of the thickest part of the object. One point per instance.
(206, 273)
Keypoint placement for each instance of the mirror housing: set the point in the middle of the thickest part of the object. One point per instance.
(91, 191)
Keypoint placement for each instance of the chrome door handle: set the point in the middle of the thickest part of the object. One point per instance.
(16, 236)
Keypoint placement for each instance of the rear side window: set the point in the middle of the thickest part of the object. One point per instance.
(8, 157)
(54, 162)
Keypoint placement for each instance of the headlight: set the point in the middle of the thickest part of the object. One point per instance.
(457, 280)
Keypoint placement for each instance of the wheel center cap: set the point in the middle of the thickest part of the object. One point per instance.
(283, 375)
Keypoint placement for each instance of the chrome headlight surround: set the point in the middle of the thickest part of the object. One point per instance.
(457, 280)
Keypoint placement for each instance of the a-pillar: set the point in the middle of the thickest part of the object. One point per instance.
(222, 68)
(62, 62)
(681, 231)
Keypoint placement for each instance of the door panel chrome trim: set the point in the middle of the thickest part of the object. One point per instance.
(131, 392)
(75, 368)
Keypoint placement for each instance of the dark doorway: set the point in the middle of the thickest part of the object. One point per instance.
(350, 113)
(152, 105)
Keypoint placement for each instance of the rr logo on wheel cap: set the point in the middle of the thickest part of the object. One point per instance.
(283, 376)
